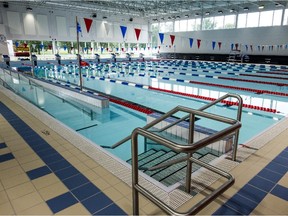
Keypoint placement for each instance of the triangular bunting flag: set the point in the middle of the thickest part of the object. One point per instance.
(251, 47)
(16, 44)
(246, 46)
(213, 44)
(137, 33)
(198, 43)
(191, 42)
(161, 36)
(88, 23)
(123, 30)
(219, 45)
(34, 46)
(172, 37)
(262, 48)
(232, 46)
(236, 46)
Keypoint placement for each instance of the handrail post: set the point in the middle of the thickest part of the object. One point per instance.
(135, 193)
(189, 162)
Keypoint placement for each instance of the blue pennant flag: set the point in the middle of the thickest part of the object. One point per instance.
(161, 36)
(123, 30)
(232, 46)
(79, 28)
(213, 44)
(191, 42)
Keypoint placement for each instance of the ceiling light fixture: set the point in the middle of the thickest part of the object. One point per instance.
(220, 12)
(232, 10)
(207, 13)
(196, 14)
(29, 9)
(261, 7)
(245, 8)
(186, 16)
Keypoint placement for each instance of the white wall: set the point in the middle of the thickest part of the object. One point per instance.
(48, 24)
(276, 35)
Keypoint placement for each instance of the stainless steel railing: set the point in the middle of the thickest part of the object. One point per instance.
(153, 123)
(189, 150)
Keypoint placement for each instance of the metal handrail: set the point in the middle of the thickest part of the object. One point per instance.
(239, 115)
(189, 150)
(156, 121)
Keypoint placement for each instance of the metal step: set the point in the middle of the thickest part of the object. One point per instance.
(143, 155)
(159, 160)
(151, 157)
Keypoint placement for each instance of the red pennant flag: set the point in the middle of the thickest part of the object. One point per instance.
(25, 45)
(169, 46)
(172, 37)
(236, 46)
(158, 47)
(137, 32)
(88, 23)
(198, 43)
(219, 45)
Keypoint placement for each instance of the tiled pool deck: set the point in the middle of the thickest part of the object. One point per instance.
(41, 173)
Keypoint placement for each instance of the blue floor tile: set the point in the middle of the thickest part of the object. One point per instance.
(270, 175)
(6, 157)
(276, 167)
(111, 210)
(261, 183)
(47, 153)
(85, 191)
(52, 158)
(38, 172)
(281, 160)
(75, 181)
(241, 204)
(97, 203)
(40, 147)
(67, 172)
(225, 210)
(281, 192)
(3, 145)
(252, 193)
(61, 202)
(62, 164)
(284, 154)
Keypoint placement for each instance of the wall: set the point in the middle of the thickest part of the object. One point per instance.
(276, 35)
(47, 24)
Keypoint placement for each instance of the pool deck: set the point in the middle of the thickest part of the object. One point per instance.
(42, 173)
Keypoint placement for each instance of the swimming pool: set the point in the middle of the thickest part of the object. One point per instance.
(164, 101)
(102, 126)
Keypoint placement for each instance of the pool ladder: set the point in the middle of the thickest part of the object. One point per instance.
(189, 149)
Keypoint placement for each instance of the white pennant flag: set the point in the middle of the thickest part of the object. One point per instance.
(33, 45)
(107, 28)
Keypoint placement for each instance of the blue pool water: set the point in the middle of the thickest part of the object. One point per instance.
(107, 126)
(165, 102)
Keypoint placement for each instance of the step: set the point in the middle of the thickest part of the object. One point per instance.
(181, 174)
(143, 155)
(161, 159)
(151, 157)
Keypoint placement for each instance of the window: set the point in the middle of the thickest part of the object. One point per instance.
(277, 17)
(208, 23)
(230, 21)
(266, 18)
(285, 21)
(169, 27)
(252, 19)
(218, 22)
(183, 25)
(191, 25)
(177, 26)
(242, 18)
(198, 24)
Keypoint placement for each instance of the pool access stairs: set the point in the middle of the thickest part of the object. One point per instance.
(173, 173)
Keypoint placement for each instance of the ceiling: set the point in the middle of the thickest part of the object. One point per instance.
(155, 10)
